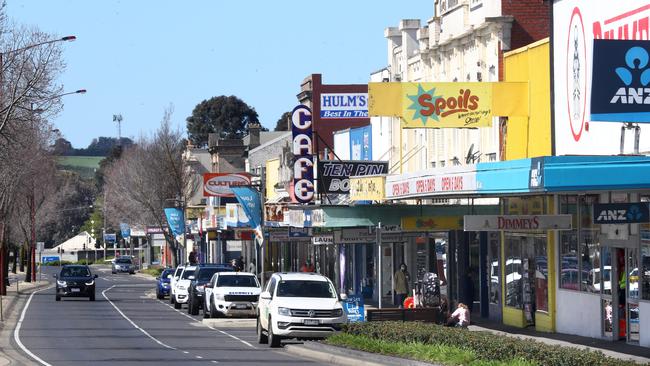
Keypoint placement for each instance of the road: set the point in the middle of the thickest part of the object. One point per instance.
(128, 325)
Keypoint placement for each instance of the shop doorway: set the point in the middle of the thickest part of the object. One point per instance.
(618, 282)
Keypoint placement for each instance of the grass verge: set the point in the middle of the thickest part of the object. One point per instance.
(447, 355)
(152, 271)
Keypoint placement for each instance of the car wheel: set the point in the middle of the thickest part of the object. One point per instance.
(171, 298)
(177, 305)
(274, 340)
(113, 272)
(92, 297)
(131, 272)
(160, 296)
(213, 310)
(261, 337)
(58, 298)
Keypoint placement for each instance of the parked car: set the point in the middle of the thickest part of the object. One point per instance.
(173, 281)
(182, 285)
(163, 283)
(202, 276)
(298, 305)
(231, 294)
(123, 264)
(75, 281)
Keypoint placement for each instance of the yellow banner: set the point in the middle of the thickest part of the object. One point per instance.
(367, 188)
(448, 105)
(427, 223)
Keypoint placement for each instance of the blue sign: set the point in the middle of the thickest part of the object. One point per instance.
(49, 259)
(249, 199)
(125, 229)
(299, 232)
(621, 213)
(110, 238)
(354, 308)
(620, 81)
(361, 143)
(175, 220)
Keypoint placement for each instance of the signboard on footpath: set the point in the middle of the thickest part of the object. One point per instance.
(517, 222)
(302, 148)
(354, 308)
(218, 184)
(335, 175)
(354, 235)
(323, 239)
(426, 223)
(455, 180)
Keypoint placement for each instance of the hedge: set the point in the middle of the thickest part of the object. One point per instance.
(484, 345)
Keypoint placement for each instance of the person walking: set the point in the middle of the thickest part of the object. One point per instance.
(401, 280)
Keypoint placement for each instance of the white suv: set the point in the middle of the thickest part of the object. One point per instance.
(231, 294)
(182, 285)
(172, 283)
(298, 305)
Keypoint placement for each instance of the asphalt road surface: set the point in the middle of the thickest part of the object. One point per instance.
(127, 325)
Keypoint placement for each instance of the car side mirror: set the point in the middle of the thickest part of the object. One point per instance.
(343, 297)
(169, 276)
(265, 295)
(190, 277)
(95, 276)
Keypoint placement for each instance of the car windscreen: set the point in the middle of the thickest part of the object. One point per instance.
(237, 281)
(304, 288)
(187, 273)
(166, 273)
(75, 272)
(123, 261)
(205, 274)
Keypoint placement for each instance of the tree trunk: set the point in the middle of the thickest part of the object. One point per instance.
(3, 271)
(28, 272)
(13, 268)
(22, 258)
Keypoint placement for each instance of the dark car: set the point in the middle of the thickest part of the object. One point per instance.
(123, 264)
(202, 276)
(75, 281)
(163, 283)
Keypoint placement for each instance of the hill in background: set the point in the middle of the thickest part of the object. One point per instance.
(84, 165)
(100, 146)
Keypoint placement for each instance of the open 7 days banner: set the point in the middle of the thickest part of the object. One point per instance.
(448, 105)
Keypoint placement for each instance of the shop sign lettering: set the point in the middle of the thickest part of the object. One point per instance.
(303, 166)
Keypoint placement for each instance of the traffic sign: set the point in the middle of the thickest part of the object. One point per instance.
(40, 246)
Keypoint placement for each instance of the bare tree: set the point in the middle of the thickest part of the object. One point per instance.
(147, 176)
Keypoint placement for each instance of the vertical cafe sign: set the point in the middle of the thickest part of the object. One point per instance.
(303, 166)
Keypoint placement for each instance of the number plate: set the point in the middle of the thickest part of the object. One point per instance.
(75, 290)
(311, 322)
(241, 306)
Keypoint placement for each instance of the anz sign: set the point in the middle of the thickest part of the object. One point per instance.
(621, 213)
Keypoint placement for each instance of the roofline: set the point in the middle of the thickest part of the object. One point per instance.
(287, 133)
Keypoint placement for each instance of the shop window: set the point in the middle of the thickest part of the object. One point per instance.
(645, 267)
(513, 268)
(495, 269)
(541, 274)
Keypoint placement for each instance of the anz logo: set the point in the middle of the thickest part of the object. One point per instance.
(633, 214)
(636, 62)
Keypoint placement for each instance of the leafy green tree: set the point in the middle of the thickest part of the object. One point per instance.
(228, 116)
(283, 123)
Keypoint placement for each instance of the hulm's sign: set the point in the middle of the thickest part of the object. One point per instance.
(343, 105)
(303, 166)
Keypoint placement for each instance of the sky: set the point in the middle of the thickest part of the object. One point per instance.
(136, 58)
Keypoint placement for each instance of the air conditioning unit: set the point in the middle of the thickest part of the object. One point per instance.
(204, 201)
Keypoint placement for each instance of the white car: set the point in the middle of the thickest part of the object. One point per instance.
(298, 305)
(172, 282)
(182, 285)
(231, 294)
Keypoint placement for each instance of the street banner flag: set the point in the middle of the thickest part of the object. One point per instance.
(175, 220)
(125, 229)
(448, 105)
(249, 199)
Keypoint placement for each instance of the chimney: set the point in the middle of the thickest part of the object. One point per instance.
(254, 135)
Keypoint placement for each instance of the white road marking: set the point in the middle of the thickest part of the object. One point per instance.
(199, 357)
(20, 323)
(185, 352)
(132, 323)
(218, 330)
(213, 361)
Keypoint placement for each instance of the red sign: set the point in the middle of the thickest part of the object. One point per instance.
(218, 184)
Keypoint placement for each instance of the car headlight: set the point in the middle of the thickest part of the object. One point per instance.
(337, 312)
(92, 282)
(284, 311)
(165, 284)
(219, 297)
(61, 283)
(200, 288)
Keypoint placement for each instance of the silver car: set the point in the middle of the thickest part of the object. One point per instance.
(123, 264)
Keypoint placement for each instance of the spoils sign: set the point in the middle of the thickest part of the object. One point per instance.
(218, 184)
(433, 105)
(303, 166)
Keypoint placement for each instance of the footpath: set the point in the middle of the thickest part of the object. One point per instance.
(12, 304)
